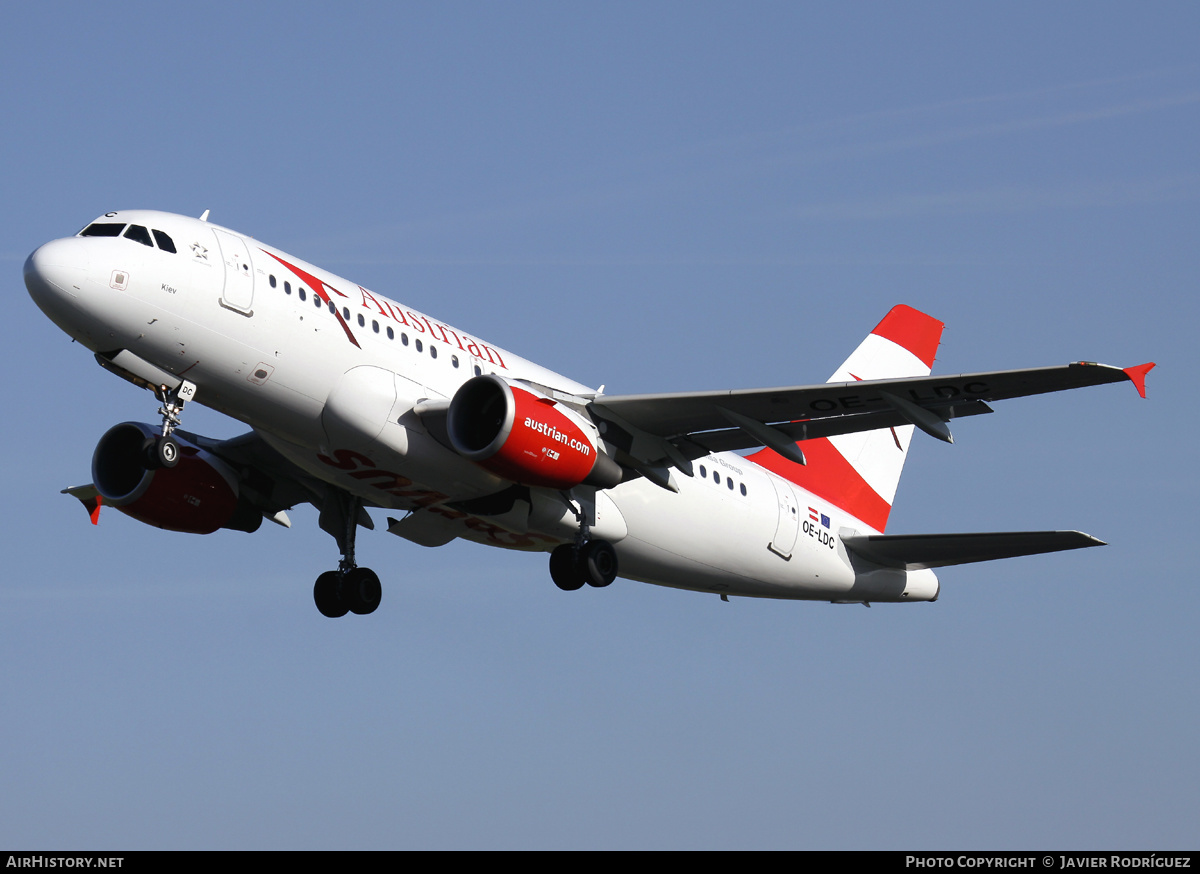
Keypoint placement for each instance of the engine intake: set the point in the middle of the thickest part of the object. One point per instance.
(525, 437)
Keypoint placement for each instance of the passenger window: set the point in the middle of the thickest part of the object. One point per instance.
(272, 279)
(287, 288)
(703, 472)
(391, 333)
(743, 490)
(139, 234)
(301, 293)
(454, 360)
(168, 245)
(418, 345)
(433, 351)
(729, 482)
(375, 326)
(102, 229)
(362, 323)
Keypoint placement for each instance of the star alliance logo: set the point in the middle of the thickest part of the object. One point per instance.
(200, 252)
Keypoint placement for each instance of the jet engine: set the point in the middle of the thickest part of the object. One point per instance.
(198, 495)
(526, 437)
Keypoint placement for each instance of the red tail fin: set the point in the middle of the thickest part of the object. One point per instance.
(859, 473)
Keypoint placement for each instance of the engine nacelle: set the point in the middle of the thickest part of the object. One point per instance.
(526, 437)
(197, 496)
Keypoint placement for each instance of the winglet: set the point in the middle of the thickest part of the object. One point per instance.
(90, 498)
(1137, 375)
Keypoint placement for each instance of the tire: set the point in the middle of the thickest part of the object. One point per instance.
(160, 452)
(168, 452)
(362, 591)
(599, 563)
(328, 595)
(563, 569)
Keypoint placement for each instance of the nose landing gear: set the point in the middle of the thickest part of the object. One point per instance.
(163, 451)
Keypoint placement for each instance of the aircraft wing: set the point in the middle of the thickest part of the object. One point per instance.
(695, 423)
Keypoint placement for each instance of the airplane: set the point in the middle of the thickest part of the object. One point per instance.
(356, 401)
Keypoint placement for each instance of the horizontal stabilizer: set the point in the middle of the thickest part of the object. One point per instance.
(917, 551)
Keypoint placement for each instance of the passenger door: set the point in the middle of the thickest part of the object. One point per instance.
(238, 294)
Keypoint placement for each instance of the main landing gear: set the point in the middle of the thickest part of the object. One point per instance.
(356, 590)
(595, 563)
(349, 589)
(586, 561)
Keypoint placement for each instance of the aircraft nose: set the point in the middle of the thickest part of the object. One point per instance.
(56, 269)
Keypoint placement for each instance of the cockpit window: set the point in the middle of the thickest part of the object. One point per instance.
(102, 229)
(135, 232)
(139, 234)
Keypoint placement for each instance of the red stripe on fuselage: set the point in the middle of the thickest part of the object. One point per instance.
(318, 288)
(830, 476)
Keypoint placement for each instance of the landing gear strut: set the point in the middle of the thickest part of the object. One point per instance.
(163, 451)
(349, 589)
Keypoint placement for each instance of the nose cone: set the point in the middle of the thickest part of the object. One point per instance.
(56, 271)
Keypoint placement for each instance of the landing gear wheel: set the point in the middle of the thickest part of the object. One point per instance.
(160, 452)
(361, 590)
(328, 594)
(167, 451)
(564, 570)
(598, 563)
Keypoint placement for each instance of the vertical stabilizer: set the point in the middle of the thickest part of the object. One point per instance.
(859, 472)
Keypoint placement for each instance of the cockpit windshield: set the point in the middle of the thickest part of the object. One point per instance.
(102, 229)
(138, 233)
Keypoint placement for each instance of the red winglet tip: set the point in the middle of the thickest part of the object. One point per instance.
(95, 514)
(1137, 375)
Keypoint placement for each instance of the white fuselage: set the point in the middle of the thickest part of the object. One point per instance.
(329, 377)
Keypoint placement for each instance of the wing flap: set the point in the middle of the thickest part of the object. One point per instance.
(729, 439)
(919, 551)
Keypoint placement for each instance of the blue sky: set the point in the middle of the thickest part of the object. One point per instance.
(656, 197)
